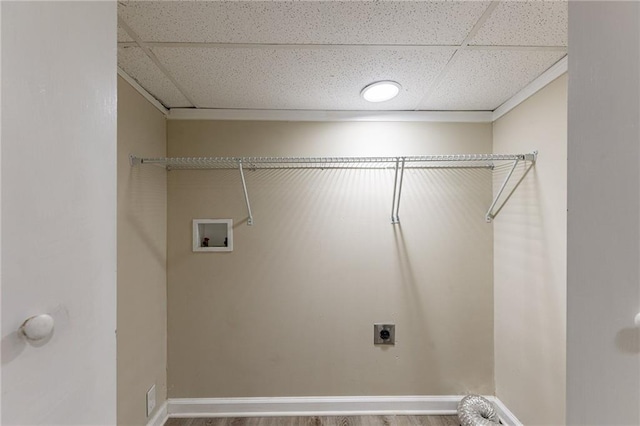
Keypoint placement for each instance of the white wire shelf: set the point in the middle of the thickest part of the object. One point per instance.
(399, 164)
(415, 161)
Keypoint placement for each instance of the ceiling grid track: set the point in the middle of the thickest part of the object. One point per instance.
(320, 46)
(312, 46)
(454, 58)
(145, 48)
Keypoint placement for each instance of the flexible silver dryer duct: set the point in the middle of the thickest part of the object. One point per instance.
(474, 410)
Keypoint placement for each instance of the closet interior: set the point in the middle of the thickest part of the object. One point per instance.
(272, 220)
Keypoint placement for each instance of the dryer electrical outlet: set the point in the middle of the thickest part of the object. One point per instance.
(384, 334)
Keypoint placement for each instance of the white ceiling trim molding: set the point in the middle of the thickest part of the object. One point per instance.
(308, 115)
(154, 58)
(148, 96)
(532, 88)
(518, 48)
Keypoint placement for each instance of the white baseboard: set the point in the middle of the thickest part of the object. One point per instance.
(160, 417)
(324, 406)
(507, 417)
(312, 406)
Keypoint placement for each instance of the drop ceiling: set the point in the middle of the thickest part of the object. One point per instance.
(318, 55)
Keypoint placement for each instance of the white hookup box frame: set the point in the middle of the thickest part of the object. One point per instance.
(212, 235)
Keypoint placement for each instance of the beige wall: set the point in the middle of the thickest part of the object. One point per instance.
(530, 266)
(142, 219)
(290, 311)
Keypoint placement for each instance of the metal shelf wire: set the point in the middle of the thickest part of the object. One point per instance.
(194, 163)
(399, 164)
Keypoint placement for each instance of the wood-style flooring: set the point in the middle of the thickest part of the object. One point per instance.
(320, 421)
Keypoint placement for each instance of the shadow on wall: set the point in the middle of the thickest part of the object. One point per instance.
(146, 194)
(628, 341)
(13, 344)
(321, 264)
(322, 191)
(412, 293)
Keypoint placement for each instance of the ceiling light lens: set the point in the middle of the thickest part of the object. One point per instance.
(381, 91)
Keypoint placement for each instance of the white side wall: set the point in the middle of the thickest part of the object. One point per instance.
(59, 210)
(530, 267)
(603, 368)
(0, 201)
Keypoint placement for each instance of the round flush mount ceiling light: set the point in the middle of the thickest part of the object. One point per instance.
(380, 91)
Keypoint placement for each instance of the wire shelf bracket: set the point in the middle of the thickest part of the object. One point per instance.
(246, 194)
(397, 188)
(398, 164)
(493, 211)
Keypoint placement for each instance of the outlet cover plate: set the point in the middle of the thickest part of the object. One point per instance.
(384, 334)
(151, 399)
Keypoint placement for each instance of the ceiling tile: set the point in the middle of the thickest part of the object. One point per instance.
(531, 23)
(318, 78)
(138, 65)
(123, 36)
(293, 22)
(484, 79)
